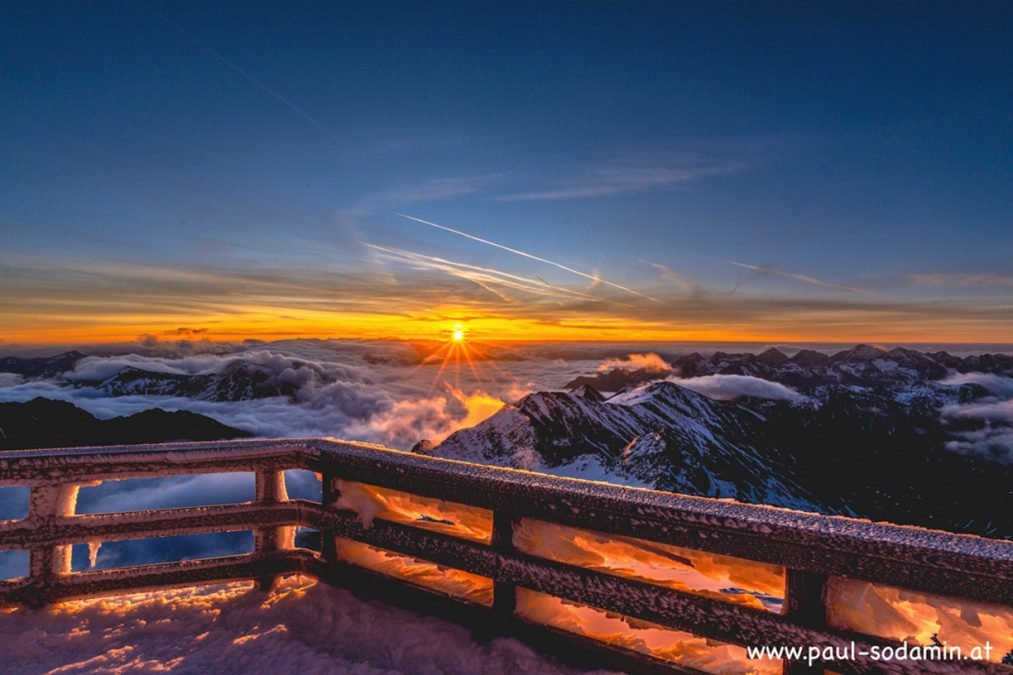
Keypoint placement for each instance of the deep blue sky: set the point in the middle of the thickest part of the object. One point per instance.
(234, 159)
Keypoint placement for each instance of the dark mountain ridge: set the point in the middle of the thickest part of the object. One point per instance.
(660, 435)
(809, 371)
(870, 436)
(40, 367)
(44, 423)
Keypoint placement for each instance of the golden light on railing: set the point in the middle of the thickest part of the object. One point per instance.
(449, 580)
(735, 580)
(916, 617)
(460, 520)
(52, 528)
(622, 631)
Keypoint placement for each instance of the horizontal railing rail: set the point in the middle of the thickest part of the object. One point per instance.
(811, 548)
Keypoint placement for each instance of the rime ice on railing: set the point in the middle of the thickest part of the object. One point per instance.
(439, 515)
(680, 647)
(659, 577)
(735, 580)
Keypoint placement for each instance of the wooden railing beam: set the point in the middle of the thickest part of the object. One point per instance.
(911, 557)
(24, 534)
(915, 558)
(681, 610)
(165, 575)
(809, 546)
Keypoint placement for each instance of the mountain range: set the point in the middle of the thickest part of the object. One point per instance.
(37, 367)
(44, 423)
(812, 372)
(864, 433)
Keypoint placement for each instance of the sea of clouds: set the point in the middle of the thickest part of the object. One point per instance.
(397, 393)
(994, 413)
(388, 392)
(381, 392)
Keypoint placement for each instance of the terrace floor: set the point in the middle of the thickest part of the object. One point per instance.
(302, 627)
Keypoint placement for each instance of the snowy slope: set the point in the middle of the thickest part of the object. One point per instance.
(660, 435)
(882, 450)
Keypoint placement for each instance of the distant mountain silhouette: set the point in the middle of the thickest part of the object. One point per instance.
(36, 367)
(44, 423)
(809, 370)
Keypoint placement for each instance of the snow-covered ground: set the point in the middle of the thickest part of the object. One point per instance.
(303, 627)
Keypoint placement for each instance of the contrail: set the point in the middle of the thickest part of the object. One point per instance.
(530, 256)
(479, 275)
(245, 75)
(797, 277)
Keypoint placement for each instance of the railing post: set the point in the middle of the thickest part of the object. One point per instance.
(270, 488)
(805, 605)
(504, 595)
(329, 495)
(47, 562)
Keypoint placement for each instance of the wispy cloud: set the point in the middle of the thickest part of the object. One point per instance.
(616, 181)
(676, 278)
(595, 279)
(490, 279)
(183, 330)
(729, 387)
(49, 299)
(803, 278)
(965, 280)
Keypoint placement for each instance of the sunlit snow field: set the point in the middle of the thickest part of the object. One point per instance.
(303, 627)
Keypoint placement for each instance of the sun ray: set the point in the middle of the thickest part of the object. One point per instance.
(430, 358)
(460, 357)
(457, 364)
(484, 358)
(443, 367)
(471, 365)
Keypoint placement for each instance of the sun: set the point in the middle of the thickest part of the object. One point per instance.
(456, 349)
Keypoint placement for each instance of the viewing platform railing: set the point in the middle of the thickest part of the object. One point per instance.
(548, 559)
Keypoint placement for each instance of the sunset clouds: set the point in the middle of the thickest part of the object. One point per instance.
(650, 362)
(380, 392)
(654, 180)
(396, 292)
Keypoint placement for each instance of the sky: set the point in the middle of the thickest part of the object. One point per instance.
(536, 171)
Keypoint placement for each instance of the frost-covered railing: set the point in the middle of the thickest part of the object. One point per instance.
(654, 579)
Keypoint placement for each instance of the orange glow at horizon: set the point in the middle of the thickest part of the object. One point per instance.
(437, 324)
